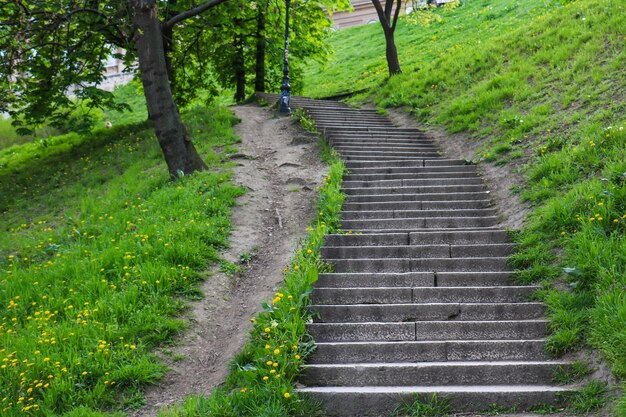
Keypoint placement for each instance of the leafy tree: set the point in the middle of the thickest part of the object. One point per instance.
(389, 19)
(49, 48)
(247, 49)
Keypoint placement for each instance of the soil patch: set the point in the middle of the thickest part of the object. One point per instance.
(279, 165)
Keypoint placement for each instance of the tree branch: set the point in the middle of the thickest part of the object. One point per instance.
(381, 13)
(396, 15)
(192, 12)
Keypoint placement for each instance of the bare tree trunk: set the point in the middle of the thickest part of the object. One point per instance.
(239, 65)
(393, 64)
(168, 45)
(259, 76)
(388, 20)
(180, 154)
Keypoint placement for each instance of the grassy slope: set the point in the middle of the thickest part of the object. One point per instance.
(97, 248)
(543, 84)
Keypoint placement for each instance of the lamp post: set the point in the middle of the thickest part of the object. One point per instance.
(285, 88)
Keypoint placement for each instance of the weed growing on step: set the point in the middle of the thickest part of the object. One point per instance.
(569, 374)
(98, 253)
(305, 120)
(424, 406)
(263, 374)
(587, 399)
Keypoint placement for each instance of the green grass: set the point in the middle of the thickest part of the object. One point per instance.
(423, 406)
(8, 136)
(98, 252)
(262, 376)
(541, 86)
(93, 120)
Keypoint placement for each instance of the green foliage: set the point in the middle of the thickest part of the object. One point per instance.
(423, 406)
(571, 373)
(305, 120)
(98, 248)
(587, 399)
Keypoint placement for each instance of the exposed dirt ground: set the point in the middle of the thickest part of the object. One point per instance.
(499, 179)
(280, 167)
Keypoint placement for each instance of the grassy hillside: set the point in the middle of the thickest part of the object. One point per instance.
(541, 84)
(98, 250)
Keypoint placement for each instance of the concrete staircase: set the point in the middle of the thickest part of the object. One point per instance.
(421, 300)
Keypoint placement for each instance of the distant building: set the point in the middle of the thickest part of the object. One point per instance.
(364, 12)
(114, 74)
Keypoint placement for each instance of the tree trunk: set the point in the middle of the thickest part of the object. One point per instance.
(393, 64)
(388, 20)
(180, 154)
(239, 65)
(259, 76)
(168, 45)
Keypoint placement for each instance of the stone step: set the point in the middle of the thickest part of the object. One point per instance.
(329, 113)
(413, 279)
(365, 401)
(431, 373)
(428, 331)
(421, 265)
(442, 196)
(375, 149)
(435, 179)
(356, 130)
(384, 178)
(407, 184)
(426, 189)
(369, 137)
(476, 236)
(415, 168)
(321, 112)
(404, 295)
(321, 126)
(419, 205)
(342, 117)
(384, 134)
(484, 250)
(402, 214)
(405, 163)
(419, 223)
(437, 351)
(350, 159)
(393, 312)
(375, 144)
(352, 155)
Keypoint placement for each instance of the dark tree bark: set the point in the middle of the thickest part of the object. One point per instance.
(239, 65)
(259, 76)
(180, 154)
(389, 19)
(168, 44)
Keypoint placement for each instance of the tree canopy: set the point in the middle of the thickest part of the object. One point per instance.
(53, 50)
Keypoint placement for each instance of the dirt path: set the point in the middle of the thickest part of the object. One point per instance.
(280, 167)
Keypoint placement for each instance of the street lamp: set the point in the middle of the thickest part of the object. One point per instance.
(285, 88)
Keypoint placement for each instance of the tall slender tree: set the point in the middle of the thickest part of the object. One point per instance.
(388, 17)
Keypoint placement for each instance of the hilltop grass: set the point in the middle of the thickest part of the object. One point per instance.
(541, 85)
(99, 250)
